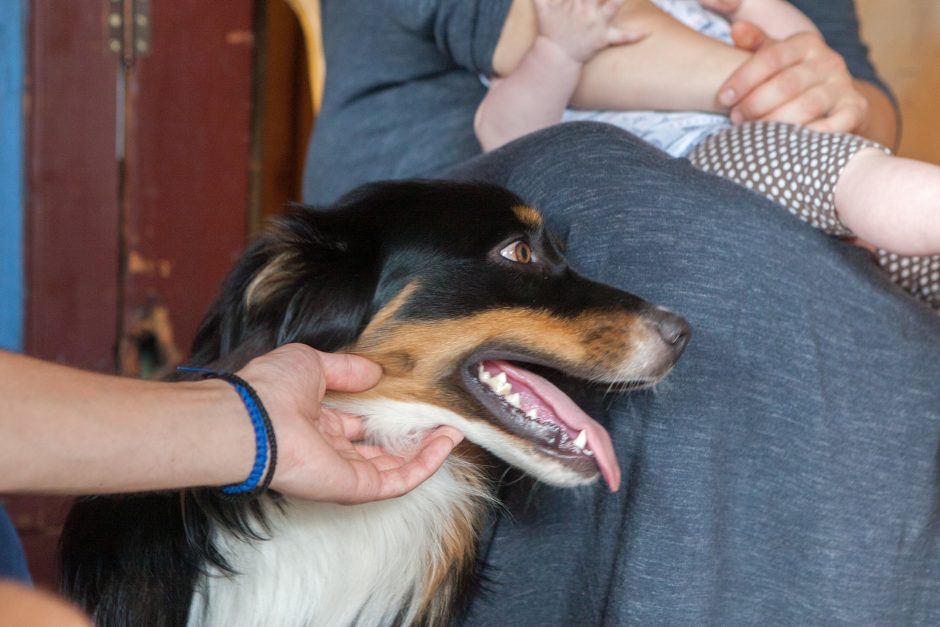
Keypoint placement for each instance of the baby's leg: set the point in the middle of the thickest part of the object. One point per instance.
(800, 169)
(793, 166)
(892, 202)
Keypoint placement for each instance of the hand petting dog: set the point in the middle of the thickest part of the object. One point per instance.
(319, 456)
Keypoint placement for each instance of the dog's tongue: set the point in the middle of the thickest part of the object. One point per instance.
(555, 406)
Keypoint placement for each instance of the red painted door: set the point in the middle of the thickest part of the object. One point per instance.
(139, 119)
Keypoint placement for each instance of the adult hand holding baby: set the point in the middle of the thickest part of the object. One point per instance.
(793, 75)
(799, 80)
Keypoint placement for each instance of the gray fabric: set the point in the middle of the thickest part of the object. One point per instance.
(786, 472)
(401, 89)
(402, 84)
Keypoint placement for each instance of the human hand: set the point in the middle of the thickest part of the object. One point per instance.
(318, 455)
(582, 28)
(799, 80)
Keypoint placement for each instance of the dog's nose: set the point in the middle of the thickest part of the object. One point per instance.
(674, 330)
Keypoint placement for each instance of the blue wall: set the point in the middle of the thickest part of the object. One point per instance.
(12, 47)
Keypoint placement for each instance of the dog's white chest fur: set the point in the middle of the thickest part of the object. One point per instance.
(328, 564)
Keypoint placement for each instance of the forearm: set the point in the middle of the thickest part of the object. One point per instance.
(674, 68)
(68, 431)
(530, 98)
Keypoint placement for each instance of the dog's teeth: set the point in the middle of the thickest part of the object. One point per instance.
(485, 377)
(504, 389)
(580, 441)
(514, 400)
(532, 414)
(500, 379)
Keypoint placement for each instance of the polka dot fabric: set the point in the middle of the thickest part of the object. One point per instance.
(799, 168)
(919, 276)
(791, 165)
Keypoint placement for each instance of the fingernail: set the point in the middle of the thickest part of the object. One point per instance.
(727, 97)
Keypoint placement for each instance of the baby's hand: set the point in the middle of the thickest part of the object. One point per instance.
(723, 7)
(582, 28)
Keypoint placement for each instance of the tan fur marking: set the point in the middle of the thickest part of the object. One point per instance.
(528, 216)
(388, 312)
(421, 358)
(592, 346)
(270, 279)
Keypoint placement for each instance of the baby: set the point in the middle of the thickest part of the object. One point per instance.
(843, 184)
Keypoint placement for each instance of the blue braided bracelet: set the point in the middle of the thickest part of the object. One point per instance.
(265, 441)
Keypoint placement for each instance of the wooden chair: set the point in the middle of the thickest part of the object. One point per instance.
(308, 13)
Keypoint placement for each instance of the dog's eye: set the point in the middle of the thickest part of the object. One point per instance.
(518, 251)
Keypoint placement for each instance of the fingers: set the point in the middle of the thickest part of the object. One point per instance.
(353, 426)
(349, 373)
(379, 455)
(844, 119)
(748, 36)
(374, 451)
(757, 70)
(782, 88)
(410, 474)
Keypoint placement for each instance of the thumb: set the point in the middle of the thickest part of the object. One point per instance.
(349, 373)
(749, 36)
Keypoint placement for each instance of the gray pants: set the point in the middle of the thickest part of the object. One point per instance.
(786, 472)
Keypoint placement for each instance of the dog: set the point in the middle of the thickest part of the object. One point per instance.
(465, 299)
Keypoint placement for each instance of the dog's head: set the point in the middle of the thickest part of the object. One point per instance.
(461, 294)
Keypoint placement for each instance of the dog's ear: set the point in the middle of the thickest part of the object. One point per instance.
(309, 277)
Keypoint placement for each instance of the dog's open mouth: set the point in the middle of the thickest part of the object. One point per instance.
(531, 407)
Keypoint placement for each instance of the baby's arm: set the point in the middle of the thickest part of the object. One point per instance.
(777, 18)
(655, 73)
(536, 93)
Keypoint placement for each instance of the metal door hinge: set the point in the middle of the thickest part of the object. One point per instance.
(128, 23)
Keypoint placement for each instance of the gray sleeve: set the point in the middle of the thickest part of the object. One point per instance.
(838, 22)
(466, 31)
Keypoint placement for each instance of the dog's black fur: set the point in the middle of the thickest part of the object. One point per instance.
(135, 560)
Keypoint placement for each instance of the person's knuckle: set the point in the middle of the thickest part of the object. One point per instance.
(747, 108)
(790, 83)
(861, 108)
(306, 357)
(774, 58)
(810, 42)
(832, 63)
(813, 104)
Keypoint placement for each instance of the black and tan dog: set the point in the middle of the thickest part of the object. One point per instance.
(458, 291)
